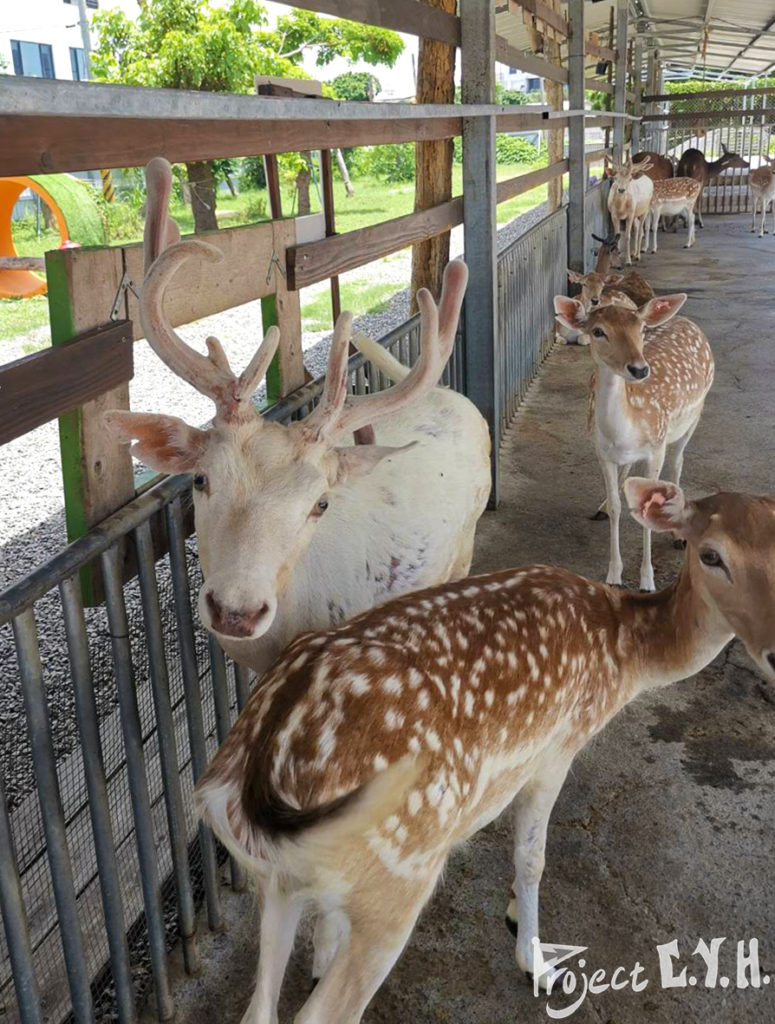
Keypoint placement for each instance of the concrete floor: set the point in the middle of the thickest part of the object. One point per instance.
(665, 828)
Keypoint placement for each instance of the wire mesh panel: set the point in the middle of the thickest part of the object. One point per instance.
(597, 218)
(531, 271)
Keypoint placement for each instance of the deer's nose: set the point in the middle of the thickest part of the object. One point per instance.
(595, 302)
(228, 622)
(638, 372)
(769, 657)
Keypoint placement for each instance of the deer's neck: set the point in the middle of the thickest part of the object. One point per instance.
(672, 634)
(603, 262)
(612, 409)
(715, 166)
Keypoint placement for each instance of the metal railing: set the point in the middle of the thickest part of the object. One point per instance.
(597, 218)
(103, 867)
(531, 271)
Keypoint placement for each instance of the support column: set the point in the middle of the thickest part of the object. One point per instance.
(577, 233)
(637, 61)
(482, 333)
(620, 83)
(651, 88)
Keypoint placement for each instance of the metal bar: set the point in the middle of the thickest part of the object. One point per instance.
(44, 762)
(222, 727)
(138, 782)
(638, 103)
(483, 356)
(14, 916)
(193, 700)
(577, 230)
(620, 84)
(168, 754)
(99, 807)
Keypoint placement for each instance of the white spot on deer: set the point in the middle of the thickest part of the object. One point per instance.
(469, 704)
(423, 700)
(392, 684)
(414, 802)
(432, 739)
(414, 745)
(359, 684)
(489, 698)
(393, 720)
(380, 763)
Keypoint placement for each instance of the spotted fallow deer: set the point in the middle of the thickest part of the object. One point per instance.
(761, 185)
(371, 750)
(672, 197)
(297, 528)
(647, 392)
(628, 201)
(596, 290)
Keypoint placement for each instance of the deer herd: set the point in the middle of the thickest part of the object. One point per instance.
(400, 704)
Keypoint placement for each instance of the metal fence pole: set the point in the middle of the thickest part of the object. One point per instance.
(577, 230)
(193, 700)
(99, 809)
(138, 782)
(52, 813)
(620, 83)
(168, 755)
(14, 916)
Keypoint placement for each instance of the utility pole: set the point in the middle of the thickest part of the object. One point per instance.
(83, 21)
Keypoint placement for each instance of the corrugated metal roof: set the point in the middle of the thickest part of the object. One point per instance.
(715, 37)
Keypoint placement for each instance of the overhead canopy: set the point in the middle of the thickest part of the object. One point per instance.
(711, 38)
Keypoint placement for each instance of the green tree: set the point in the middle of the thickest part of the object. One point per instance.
(193, 44)
(355, 85)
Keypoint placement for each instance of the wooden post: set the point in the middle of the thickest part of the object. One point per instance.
(638, 90)
(433, 163)
(482, 331)
(620, 82)
(555, 138)
(577, 233)
(327, 182)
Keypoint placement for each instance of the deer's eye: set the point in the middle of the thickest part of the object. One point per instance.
(200, 482)
(319, 508)
(598, 332)
(711, 557)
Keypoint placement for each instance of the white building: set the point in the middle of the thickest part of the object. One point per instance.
(513, 78)
(42, 38)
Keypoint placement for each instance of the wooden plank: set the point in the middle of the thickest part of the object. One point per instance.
(316, 261)
(597, 154)
(577, 240)
(287, 304)
(33, 145)
(594, 49)
(524, 182)
(507, 54)
(598, 85)
(400, 15)
(22, 263)
(42, 386)
(543, 13)
(482, 344)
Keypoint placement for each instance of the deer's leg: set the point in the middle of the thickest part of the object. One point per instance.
(654, 465)
(690, 222)
(772, 205)
(602, 509)
(533, 806)
(654, 231)
(699, 206)
(376, 934)
(614, 502)
(330, 927)
(280, 915)
(680, 448)
(753, 212)
(628, 234)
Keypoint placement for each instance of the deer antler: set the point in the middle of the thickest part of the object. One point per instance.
(339, 412)
(163, 255)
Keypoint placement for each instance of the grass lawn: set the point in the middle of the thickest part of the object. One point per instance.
(374, 201)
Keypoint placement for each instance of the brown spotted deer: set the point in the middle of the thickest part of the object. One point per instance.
(647, 392)
(672, 197)
(596, 290)
(628, 201)
(297, 527)
(761, 184)
(368, 752)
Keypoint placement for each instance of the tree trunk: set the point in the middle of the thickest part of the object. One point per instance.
(433, 173)
(302, 188)
(201, 181)
(344, 172)
(556, 138)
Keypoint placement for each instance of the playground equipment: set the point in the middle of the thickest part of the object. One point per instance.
(75, 214)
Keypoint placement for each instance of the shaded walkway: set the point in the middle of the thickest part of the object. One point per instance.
(665, 828)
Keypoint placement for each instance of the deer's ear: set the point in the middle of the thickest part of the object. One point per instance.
(360, 459)
(614, 278)
(661, 308)
(570, 312)
(165, 443)
(657, 504)
(575, 277)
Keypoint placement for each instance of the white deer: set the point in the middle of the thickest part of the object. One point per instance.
(672, 197)
(371, 750)
(646, 393)
(628, 201)
(298, 528)
(761, 184)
